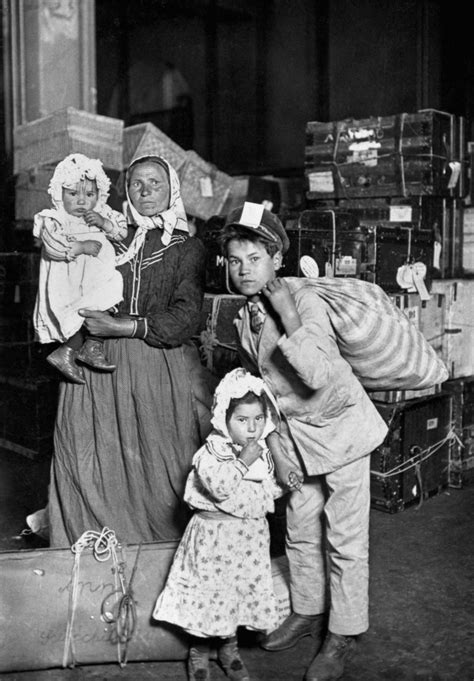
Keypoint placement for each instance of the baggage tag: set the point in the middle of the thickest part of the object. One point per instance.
(411, 278)
(322, 182)
(455, 167)
(419, 273)
(328, 270)
(346, 266)
(206, 187)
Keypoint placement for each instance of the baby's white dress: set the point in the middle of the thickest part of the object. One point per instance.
(67, 284)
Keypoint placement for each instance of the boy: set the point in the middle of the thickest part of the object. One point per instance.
(329, 426)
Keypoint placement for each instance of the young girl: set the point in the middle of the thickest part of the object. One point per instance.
(221, 573)
(77, 268)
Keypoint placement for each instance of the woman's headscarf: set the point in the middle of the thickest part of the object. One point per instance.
(174, 217)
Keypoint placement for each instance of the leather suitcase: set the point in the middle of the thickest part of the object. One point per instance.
(342, 247)
(216, 271)
(217, 339)
(411, 464)
(405, 154)
(334, 240)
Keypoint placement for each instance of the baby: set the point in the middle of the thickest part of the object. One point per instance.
(77, 268)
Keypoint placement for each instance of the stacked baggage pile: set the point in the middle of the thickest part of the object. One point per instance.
(404, 178)
(383, 199)
(385, 202)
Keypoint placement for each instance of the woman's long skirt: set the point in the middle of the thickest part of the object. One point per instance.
(123, 444)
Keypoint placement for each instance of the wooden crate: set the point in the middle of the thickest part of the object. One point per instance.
(461, 462)
(146, 138)
(28, 408)
(468, 239)
(49, 139)
(204, 188)
(19, 274)
(458, 338)
(31, 192)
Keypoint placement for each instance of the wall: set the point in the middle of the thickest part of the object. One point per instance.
(383, 57)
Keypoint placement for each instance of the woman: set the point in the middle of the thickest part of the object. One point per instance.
(124, 441)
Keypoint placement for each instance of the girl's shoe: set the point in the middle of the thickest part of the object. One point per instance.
(229, 657)
(198, 665)
(64, 359)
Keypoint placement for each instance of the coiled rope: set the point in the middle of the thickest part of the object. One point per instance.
(104, 546)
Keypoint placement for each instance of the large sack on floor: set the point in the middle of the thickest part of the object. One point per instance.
(384, 348)
(56, 607)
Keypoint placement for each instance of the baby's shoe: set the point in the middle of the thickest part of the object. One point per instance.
(229, 657)
(198, 665)
(92, 354)
(63, 358)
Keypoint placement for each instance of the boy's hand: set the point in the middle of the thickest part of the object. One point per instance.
(278, 295)
(93, 218)
(89, 247)
(250, 452)
(295, 480)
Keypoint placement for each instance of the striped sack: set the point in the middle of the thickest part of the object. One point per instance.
(384, 348)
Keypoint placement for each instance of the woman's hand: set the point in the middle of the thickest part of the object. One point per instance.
(278, 295)
(100, 323)
(87, 247)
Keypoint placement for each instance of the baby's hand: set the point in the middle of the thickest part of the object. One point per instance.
(90, 247)
(93, 218)
(250, 452)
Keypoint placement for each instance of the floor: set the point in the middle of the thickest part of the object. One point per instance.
(422, 594)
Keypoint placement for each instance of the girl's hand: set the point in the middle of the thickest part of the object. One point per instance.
(250, 452)
(93, 218)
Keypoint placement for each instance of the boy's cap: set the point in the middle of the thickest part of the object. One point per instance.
(256, 218)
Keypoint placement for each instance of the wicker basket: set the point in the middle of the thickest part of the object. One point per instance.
(204, 189)
(48, 140)
(31, 192)
(146, 138)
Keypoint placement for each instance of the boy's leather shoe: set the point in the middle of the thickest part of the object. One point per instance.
(92, 354)
(63, 358)
(328, 665)
(292, 630)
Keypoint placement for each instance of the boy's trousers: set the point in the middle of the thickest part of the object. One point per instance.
(327, 545)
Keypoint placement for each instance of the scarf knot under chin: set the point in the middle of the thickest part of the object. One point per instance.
(174, 217)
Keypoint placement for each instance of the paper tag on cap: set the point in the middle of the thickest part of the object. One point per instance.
(252, 214)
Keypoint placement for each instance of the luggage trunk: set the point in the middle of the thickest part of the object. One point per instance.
(412, 462)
